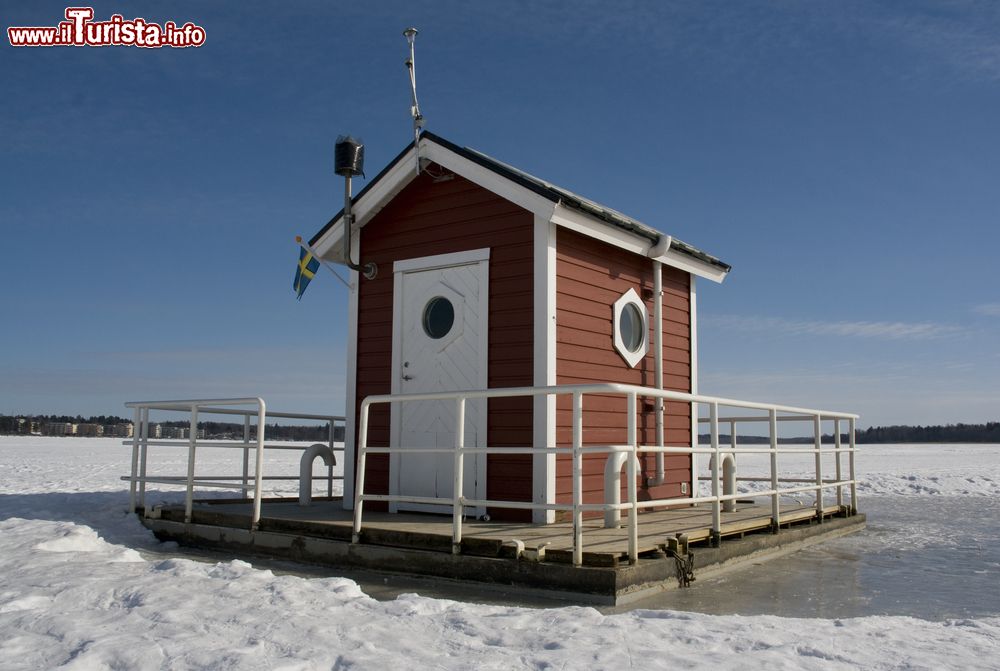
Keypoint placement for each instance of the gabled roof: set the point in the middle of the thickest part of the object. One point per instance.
(559, 205)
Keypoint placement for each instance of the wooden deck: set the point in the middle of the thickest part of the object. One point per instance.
(326, 519)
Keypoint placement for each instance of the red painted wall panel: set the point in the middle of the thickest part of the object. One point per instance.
(431, 217)
(590, 277)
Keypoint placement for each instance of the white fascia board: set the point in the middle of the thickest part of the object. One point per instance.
(577, 221)
(487, 179)
(331, 247)
(693, 266)
(619, 237)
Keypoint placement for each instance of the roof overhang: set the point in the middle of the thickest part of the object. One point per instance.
(544, 200)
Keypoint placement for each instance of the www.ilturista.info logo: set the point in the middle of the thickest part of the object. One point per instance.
(80, 30)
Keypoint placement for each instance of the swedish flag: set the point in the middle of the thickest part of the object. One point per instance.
(306, 270)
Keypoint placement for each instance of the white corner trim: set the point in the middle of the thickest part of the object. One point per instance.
(543, 466)
(350, 402)
(442, 260)
(693, 297)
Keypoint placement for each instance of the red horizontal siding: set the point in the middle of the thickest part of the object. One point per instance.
(439, 217)
(590, 277)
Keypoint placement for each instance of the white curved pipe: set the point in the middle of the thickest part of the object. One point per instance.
(728, 480)
(613, 487)
(306, 467)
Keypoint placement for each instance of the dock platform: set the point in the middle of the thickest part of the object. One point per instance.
(518, 555)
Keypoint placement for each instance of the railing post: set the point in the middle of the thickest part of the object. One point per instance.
(630, 470)
(359, 481)
(850, 465)
(135, 459)
(577, 478)
(192, 443)
(143, 454)
(772, 423)
(329, 474)
(246, 455)
(713, 420)
(818, 446)
(838, 471)
(457, 507)
(258, 480)
(729, 474)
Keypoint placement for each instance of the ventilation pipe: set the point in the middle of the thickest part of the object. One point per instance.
(306, 469)
(613, 486)
(349, 160)
(728, 480)
(655, 252)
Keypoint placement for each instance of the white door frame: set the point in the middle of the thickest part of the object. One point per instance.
(480, 257)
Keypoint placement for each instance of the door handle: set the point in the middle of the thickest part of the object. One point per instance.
(407, 377)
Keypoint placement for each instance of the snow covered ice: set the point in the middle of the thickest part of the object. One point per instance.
(84, 586)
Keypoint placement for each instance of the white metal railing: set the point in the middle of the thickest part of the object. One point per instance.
(196, 408)
(458, 502)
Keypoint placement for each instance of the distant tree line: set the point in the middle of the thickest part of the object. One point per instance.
(950, 433)
(9, 424)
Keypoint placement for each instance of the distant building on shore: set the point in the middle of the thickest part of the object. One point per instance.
(60, 429)
(28, 426)
(124, 430)
(90, 430)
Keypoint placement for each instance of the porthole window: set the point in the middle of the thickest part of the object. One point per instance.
(631, 328)
(439, 317)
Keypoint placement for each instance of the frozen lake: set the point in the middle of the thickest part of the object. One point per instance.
(83, 585)
(928, 557)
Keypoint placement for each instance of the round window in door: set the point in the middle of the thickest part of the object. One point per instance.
(439, 317)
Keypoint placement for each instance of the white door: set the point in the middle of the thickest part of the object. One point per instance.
(439, 344)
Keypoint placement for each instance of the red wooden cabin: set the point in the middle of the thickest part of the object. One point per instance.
(489, 277)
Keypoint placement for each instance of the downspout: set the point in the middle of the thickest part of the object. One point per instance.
(655, 252)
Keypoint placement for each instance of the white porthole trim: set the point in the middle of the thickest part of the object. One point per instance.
(632, 352)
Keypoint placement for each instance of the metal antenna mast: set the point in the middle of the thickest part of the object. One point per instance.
(418, 118)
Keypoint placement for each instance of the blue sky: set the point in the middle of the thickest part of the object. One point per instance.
(844, 157)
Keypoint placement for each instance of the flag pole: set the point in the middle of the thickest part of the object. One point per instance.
(305, 246)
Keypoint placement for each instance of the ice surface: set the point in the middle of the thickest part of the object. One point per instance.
(84, 586)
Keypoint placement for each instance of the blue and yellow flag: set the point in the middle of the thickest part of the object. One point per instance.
(306, 270)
